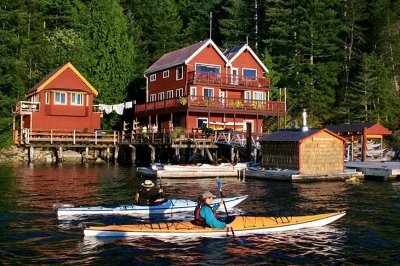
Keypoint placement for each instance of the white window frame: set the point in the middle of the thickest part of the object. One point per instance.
(193, 91)
(207, 88)
(153, 97)
(247, 77)
(216, 66)
(75, 101)
(179, 92)
(161, 96)
(247, 96)
(257, 94)
(170, 94)
(47, 96)
(202, 118)
(179, 73)
(60, 102)
(153, 77)
(234, 76)
(165, 74)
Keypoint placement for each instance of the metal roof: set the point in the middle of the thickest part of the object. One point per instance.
(230, 53)
(175, 58)
(290, 135)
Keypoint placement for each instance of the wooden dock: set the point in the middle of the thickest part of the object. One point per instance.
(377, 170)
(294, 177)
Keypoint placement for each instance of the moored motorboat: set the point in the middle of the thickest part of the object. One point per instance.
(169, 206)
(241, 225)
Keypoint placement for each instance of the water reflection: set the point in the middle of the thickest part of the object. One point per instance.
(31, 233)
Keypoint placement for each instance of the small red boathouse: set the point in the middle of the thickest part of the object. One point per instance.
(61, 101)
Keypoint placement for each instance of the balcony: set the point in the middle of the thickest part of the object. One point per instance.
(227, 80)
(26, 107)
(214, 104)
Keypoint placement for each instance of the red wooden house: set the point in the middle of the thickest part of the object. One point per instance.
(61, 101)
(201, 86)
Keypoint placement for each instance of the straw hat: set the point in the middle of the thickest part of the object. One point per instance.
(207, 194)
(148, 183)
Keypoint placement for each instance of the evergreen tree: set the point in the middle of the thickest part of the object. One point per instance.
(109, 52)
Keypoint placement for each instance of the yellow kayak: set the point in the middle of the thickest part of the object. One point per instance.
(241, 225)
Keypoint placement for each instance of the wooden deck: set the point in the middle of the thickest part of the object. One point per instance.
(377, 170)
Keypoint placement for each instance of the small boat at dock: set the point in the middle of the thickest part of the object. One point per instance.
(192, 170)
(241, 225)
(167, 207)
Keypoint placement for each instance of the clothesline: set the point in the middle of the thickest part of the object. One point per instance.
(118, 108)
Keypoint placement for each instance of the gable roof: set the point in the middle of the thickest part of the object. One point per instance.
(372, 128)
(182, 56)
(235, 52)
(295, 135)
(57, 72)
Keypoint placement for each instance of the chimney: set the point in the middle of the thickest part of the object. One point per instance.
(304, 127)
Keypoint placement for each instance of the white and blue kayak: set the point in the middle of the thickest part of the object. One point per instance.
(167, 207)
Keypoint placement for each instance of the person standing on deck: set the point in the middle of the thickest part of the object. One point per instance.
(148, 195)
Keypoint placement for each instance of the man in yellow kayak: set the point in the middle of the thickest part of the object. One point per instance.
(207, 215)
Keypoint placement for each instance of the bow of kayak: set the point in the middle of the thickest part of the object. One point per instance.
(241, 225)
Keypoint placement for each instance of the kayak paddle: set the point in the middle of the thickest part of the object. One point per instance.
(219, 184)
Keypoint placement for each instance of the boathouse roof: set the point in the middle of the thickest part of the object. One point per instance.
(372, 128)
(295, 135)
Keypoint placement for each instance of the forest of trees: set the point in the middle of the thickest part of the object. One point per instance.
(339, 59)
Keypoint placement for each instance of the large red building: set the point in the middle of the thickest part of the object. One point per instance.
(61, 101)
(200, 86)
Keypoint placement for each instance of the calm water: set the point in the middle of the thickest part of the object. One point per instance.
(30, 232)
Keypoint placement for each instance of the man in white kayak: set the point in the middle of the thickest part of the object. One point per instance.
(207, 215)
(148, 195)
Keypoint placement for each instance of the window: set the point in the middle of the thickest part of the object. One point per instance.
(202, 122)
(259, 96)
(179, 92)
(76, 98)
(247, 96)
(153, 98)
(165, 74)
(193, 91)
(161, 96)
(60, 98)
(208, 93)
(153, 77)
(208, 68)
(249, 74)
(179, 73)
(47, 97)
(170, 94)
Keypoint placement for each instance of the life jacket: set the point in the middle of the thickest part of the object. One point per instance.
(198, 220)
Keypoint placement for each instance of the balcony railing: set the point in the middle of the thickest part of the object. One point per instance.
(227, 80)
(27, 107)
(213, 103)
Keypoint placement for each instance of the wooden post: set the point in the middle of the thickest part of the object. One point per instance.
(133, 154)
(177, 155)
(152, 154)
(60, 155)
(108, 154)
(364, 145)
(31, 154)
(248, 141)
(116, 151)
(232, 154)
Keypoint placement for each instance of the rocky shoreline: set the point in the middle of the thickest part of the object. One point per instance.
(46, 156)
